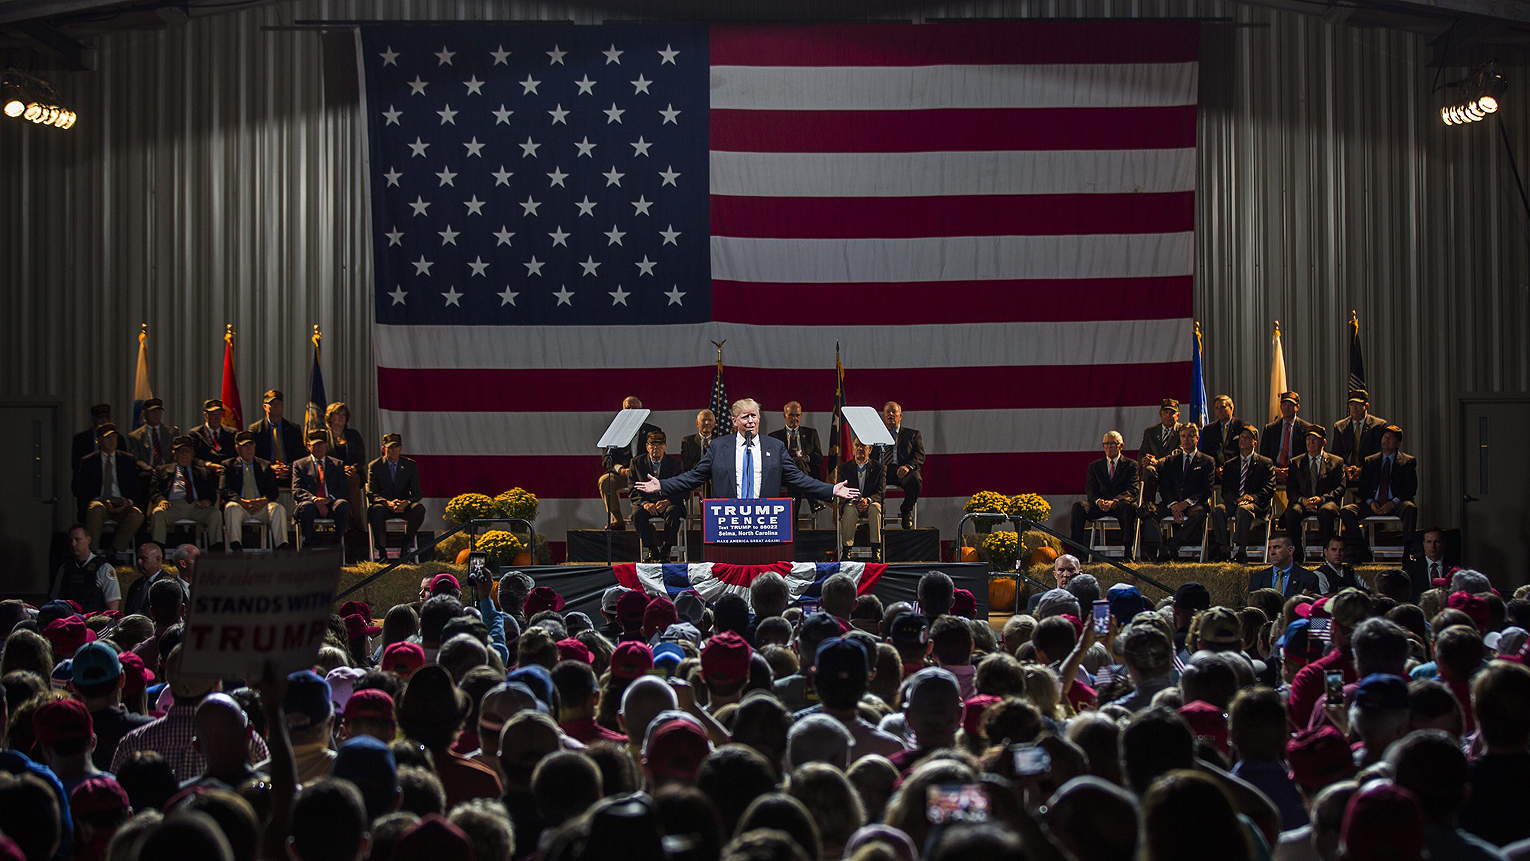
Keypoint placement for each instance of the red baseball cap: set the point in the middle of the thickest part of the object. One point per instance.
(659, 615)
(358, 626)
(355, 608)
(573, 650)
(963, 603)
(630, 606)
(369, 704)
(98, 795)
(1383, 822)
(1206, 721)
(138, 675)
(67, 635)
(725, 659)
(403, 658)
(631, 659)
(440, 580)
(61, 721)
(676, 749)
(542, 598)
(972, 718)
(1319, 757)
(1467, 603)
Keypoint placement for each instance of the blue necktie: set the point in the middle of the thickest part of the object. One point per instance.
(748, 472)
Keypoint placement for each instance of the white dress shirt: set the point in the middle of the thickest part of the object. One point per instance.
(738, 464)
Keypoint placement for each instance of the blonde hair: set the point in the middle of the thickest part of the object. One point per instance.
(1043, 689)
(743, 404)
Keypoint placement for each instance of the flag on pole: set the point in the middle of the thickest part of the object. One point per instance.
(1198, 409)
(1356, 358)
(839, 429)
(141, 390)
(314, 418)
(1278, 382)
(719, 405)
(233, 414)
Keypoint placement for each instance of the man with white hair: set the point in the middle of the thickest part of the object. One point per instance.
(746, 465)
(1064, 569)
(1110, 490)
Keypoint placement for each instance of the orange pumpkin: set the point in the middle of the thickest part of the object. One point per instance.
(1001, 593)
(1043, 555)
(967, 554)
(522, 558)
(462, 556)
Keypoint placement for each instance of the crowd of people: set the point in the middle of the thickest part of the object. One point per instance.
(490, 721)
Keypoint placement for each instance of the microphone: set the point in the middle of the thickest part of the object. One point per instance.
(748, 437)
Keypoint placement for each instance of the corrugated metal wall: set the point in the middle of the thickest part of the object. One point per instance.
(209, 181)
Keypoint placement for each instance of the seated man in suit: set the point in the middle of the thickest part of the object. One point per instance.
(801, 446)
(278, 440)
(868, 477)
(617, 465)
(1314, 487)
(901, 462)
(185, 489)
(1110, 490)
(250, 492)
(693, 446)
(1184, 488)
(85, 441)
(1281, 440)
(319, 487)
(1157, 443)
(1387, 484)
(214, 442)
(393, 491)
(1248, 487)
(1335, 574)
(647, 506)
(1220, 438)
(1358, 435)
(151, 443)
(107, 488)
(1432, 566)
(1283, 575)
(745, 465)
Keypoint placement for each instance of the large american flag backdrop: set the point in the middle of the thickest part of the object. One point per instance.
(994, 220)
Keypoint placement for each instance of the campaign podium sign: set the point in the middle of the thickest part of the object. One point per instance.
(746, 521)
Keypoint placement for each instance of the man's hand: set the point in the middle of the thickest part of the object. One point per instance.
(253, 506)
(1313, 503)
(904, 470)
(164, 505)
(661, 506)
(648, 485)
(282, 470)
(1246, 499)
(1352, 473)
(1149, 460)
(1105, 504)
(350, 470)
(1281, 473)
(862, 505)
(323, 506)
(843, 490)
(202, 503)
(622, 471)
(398, 505)
(482, 587)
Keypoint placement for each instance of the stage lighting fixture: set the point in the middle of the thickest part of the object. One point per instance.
(1480, 92)
(33, 99)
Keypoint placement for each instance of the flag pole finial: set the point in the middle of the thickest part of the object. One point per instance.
(143, 333)
(317, 335)
(228, 333)
(1277, 328)
(719, 346)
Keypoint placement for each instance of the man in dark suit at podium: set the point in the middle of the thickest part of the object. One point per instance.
(801, 446)
(647, 506)
(745, 465)
(1110, 490)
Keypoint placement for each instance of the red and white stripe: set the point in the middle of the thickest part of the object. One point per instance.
(994, 220)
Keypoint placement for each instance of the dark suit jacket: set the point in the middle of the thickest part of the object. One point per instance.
(1269, 439)
(305, 480)
(382, 487)
(1301, 580)
(293, 447)
(1404, 482)
(213, 447)
(615, 457)
(876, 479)
(910, 449)
(1222, 443)
(1330, 484)
(808, 440)
(232, 485)
(691, 450)
(1099, 485)
(1155, 444)
(1174, 484)
(1260, 484)
(1342, 439)
(139, 443)
(84, 443)
(1418, 573)
(350, 451)
(204, 480)
(91, 476)
(777, 472)
(668, 467)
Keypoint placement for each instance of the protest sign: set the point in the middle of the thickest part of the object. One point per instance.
(248, 609)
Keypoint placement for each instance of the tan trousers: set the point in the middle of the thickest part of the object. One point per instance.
(849, 518)
(128, 522)
(274, 516)
(612, 488)
(209, 517)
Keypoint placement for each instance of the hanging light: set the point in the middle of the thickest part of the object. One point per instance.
(27, 97)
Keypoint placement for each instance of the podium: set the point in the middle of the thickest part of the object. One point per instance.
(746, 531)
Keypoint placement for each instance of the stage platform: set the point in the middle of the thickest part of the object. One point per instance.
(811, 545)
